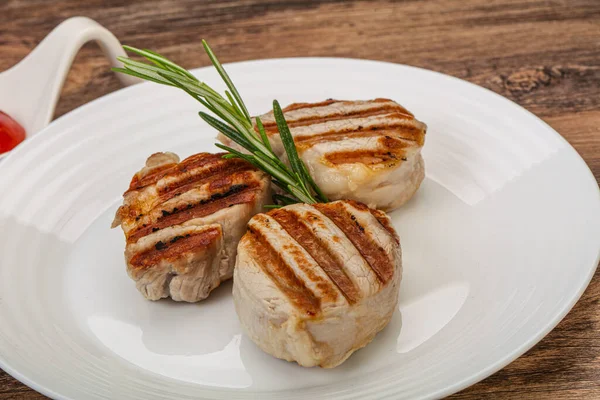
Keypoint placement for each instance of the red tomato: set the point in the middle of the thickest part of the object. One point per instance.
(11, 133)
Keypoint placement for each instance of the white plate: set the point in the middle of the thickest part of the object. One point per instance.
(499, 243)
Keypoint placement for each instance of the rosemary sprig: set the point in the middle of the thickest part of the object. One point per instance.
(230, 117)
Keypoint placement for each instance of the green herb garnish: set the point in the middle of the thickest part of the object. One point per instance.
(231, 117)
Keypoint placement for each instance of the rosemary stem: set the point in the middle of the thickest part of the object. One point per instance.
(231, 117)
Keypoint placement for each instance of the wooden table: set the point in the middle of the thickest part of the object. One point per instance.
(544, 55)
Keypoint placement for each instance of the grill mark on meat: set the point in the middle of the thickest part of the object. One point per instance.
(213, 183)
(327, 290)
(197, 161)
(404, 132)
(157, 173)
(394, 123)
(271, 127)
(237, 194)
(300, 106)
(294, 225)
(306, 270)
(201, 170)
(175, 248)
(367, 157)
(390, 150)
(280, 273)
(375, 256)
(379, 215)
(173, 169)
(217, 178)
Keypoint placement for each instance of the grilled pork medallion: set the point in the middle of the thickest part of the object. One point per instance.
(314, 283)
(183, 221)
(369, 151)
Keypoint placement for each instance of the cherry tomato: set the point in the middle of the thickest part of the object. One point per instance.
(11, 133)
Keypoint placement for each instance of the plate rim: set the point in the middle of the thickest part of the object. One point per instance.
(454, 388)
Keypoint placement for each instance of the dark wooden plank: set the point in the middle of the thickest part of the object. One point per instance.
(544, 55)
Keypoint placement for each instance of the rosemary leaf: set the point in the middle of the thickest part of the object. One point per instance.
(138, 75)
(235, 106)
(137, 65)
(300, 195)
(286, 139)
(151, 55)
(263, 134)
(169, 78)
(209, 107)
(227, 131)
(226, 78)
(276, 172)
(236, 153)
(230, 116)
(285, 200)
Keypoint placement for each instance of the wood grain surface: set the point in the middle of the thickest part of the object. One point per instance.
(542, 54)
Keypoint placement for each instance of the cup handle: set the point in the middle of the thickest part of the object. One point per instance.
(33, 85)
